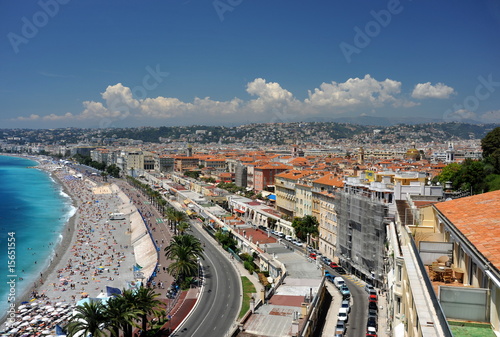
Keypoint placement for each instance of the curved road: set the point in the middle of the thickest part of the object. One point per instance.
(356, 326)
(220, 301)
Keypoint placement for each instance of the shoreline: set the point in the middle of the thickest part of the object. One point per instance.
(84, 237)
(61, 247)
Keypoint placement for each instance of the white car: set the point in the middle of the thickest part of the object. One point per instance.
(343, 315)
(298, 243)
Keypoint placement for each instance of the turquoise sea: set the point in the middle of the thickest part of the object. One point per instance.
(33, 212)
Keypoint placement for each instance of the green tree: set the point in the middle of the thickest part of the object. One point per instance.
(183, 227)
(184, 250)
(147, 304)
(448, 173)
(120, 314)
(305, 225)
(491, 142)
(470, 176)
(89, 319)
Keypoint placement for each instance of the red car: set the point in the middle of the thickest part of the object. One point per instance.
(333, 265)
(312, 256)
(372, 298)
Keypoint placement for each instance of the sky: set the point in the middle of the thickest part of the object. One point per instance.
(98, 64)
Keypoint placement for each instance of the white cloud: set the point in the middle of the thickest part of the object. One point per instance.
(270, 101)
(427, 90)
(459, 115)
(32, 117)
(355, 92)
(491, 116)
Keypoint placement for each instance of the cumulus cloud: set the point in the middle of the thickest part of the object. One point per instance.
(270, 101)
(427, 90)
(491, 116)
(459, 115)
(355, 92)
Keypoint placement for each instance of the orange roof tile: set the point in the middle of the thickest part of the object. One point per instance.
(477, 218)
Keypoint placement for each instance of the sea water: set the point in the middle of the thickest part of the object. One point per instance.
(33, 212)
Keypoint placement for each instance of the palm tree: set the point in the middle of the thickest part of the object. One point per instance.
(184, 250)
(89, 319)
(119, 314)
(183, 227)
(170, 216)
(178, 217)
(145, 301)
(129, 303)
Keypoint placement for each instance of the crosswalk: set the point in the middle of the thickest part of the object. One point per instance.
(159, 220)
(355, 280)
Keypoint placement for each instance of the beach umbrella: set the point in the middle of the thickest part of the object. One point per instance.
(59, 304)
(47, 307)
(27, 318)
(21, 307)
(50, 309)
(33, 321)
(15, 330)
(45, 319)
(38, 317)
(46, 332)
(24, 324)
(23, 310)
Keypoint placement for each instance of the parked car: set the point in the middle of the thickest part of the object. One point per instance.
(339, 282)
(344, 290)
(343, 315)
(312, 256)
(340, 328)
(372, 298)
(288, 238)
(372, 312)
(333, 265)
(297, 242)
(329, 276)
(340, 270)
(262, 228)
(368, 288)
(372, 323)
(346, 304)
(280, 234)
(373, 306)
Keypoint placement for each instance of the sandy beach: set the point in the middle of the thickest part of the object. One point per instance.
(95, 252)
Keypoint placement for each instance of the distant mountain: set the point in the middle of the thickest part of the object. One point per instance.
(387, 121)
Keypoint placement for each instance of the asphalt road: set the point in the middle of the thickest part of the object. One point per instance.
(220, 301)
(359, 304)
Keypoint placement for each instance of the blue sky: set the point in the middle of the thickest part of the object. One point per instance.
(134, 63)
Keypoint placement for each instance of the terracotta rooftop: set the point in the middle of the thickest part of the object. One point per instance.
(477, 218)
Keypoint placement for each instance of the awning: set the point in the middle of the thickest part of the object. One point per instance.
(189, 212)
(187, 201)
(272, 197)
(239, 211)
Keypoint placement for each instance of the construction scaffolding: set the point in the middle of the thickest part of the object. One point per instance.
(361, 235)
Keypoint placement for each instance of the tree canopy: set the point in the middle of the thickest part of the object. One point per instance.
(306, 225)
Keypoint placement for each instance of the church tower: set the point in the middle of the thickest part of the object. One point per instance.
(450, 153)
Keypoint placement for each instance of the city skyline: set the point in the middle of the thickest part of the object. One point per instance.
(114, 64)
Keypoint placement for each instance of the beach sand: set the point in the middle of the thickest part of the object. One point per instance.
(95, 251)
